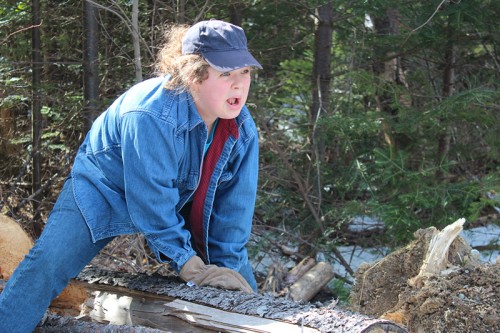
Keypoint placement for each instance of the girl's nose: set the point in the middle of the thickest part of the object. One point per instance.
(238, 82)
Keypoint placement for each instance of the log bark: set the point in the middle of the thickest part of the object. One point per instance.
(58, 324)
(158, 302)
(173, 292)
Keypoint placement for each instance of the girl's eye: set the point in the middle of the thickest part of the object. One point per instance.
(226, 74)
(246, 71)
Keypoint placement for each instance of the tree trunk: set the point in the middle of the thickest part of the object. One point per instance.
(7, 128)
(443, 145)
(321, 75)
(180, 12)
(136, 41)
(160, 302)
(90, 64)
(36, 107)
(236, 14)
(390, 73)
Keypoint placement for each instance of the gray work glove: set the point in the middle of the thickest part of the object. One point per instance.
(195, 271)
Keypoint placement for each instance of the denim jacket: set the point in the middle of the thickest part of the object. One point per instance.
(140, 164)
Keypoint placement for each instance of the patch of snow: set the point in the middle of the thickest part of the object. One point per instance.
(364, 223)
(488, 235)
(356, 255)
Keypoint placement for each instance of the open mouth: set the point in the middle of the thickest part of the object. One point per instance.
(233, 101)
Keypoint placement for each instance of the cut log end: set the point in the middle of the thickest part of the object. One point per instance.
(14, 245)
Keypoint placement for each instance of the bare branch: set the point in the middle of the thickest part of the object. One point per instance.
(127, 22)
(21, 30)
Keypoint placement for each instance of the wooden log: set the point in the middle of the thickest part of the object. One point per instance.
(311, 282)
(299, 270)
(173, 291)
(14, 245)
(162, 303)
(268, 314)
(119, 306)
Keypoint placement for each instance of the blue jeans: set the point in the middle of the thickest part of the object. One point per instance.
(61, 252)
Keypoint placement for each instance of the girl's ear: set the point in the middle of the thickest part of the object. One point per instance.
(197, 81)
(193, 85)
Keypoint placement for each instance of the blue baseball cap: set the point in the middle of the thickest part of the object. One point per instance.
(223, 45)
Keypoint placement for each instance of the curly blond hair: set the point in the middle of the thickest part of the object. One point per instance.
(183, 69)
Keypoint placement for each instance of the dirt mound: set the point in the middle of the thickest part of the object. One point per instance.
(461, 298)
(465, 300)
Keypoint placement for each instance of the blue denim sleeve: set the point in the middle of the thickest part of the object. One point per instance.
(233, 208)
(150, 174)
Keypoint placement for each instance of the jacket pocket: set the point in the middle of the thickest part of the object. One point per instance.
(188, 181)
(225, 176)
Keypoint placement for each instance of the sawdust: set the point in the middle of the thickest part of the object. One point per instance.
(463, 298)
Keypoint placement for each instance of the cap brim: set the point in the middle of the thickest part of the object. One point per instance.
(226, 61)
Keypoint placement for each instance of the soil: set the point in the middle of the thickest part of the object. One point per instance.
(463, 298)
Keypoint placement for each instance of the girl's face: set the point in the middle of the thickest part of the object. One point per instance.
(222, 94)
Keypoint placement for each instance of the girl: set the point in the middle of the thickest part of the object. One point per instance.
(174, 158)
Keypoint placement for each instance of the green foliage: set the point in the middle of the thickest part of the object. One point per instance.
(10, 8)
(341, 290)
(403, 182)
(407, 199)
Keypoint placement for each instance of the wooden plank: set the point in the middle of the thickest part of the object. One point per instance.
(124, 308)
(203, 316)
(178, 315)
